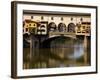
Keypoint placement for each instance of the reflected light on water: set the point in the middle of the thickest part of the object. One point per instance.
(62, 52)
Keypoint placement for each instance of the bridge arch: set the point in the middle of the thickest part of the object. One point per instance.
(52, 26)
(47, 41)
(61, 27)
(71, 27)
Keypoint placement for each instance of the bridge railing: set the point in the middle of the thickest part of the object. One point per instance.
(64, 33)
(67, 33)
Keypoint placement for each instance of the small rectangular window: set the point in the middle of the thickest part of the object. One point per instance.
(34, 24)
(52, 18)
(42, 17)
(62, 19)
(29, 24)
(32, 17)
(83, 27)
(71, 18)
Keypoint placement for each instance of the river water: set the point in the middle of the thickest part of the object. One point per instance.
(63, 52)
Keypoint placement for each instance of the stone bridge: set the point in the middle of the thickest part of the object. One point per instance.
(66, 34)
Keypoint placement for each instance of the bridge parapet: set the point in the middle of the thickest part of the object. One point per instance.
(84, 34)
(66, 34)
(61, 33)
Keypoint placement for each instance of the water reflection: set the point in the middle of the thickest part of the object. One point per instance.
(78, 50)
(62, 52)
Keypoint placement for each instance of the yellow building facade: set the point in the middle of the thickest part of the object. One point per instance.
(30, 26)
(82, 23)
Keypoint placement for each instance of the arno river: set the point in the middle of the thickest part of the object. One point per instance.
(62, 52)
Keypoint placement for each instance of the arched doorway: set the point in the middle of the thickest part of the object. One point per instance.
(52, 26)
(61, 27)
(71, 27)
